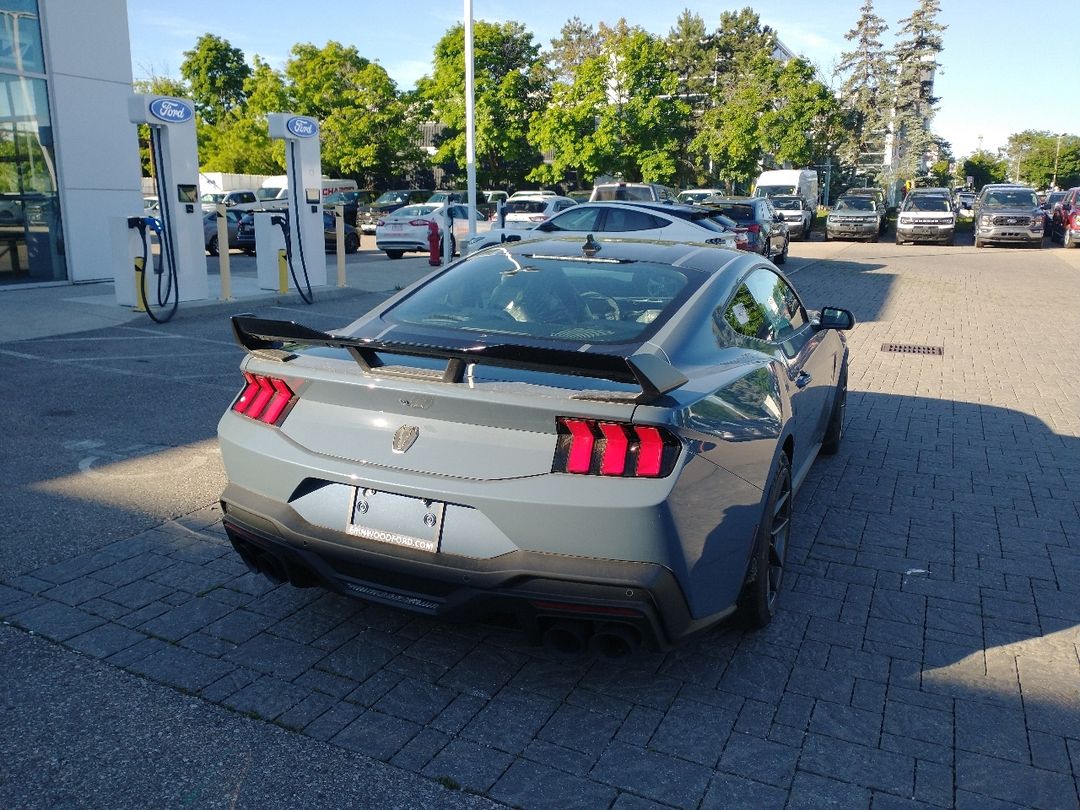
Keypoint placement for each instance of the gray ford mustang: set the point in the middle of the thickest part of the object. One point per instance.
(596, 440)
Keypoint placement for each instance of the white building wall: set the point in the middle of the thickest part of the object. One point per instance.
(88, 68)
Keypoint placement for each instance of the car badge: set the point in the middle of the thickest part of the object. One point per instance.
(404, 438)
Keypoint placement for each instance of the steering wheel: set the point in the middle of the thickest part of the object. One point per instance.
(613, 312)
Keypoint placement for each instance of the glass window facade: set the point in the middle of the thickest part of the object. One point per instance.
(31, 236)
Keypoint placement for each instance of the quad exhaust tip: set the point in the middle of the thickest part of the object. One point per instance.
(567, 638)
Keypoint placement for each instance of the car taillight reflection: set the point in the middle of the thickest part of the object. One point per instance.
(266, 399)
(616, 449)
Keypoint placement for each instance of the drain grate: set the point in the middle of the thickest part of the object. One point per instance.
(912, 348)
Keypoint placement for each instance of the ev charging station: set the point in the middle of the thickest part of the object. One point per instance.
(174, 151)
(303, 229)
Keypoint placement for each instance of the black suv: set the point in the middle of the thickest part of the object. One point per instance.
(766, 230)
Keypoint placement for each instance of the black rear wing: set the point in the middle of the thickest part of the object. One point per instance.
(277, 340)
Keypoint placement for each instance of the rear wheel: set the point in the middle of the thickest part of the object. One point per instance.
(212, 245)
(979, 242)
(834, 432)
(395, 254)
(352, 243)
(1067, 239)
(783, 254)
(761, 591)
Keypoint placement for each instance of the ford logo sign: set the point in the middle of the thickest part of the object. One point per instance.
(302, 127)
(171, 110)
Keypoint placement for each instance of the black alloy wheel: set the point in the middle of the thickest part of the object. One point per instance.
(765, 577)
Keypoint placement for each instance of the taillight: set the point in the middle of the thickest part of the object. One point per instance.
(755, 228)
(380, 223)
(266, 399)
(419, 223)
(617, 449)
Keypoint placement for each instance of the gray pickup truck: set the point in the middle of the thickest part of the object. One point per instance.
(1008, 215)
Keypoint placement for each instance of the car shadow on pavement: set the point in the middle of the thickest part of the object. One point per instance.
(925, 646)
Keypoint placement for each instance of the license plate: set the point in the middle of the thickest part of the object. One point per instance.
(397, 226)
(924, 230)
(397, 520)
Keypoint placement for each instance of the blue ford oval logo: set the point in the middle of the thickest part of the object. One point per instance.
(302, 127)
(171, 110)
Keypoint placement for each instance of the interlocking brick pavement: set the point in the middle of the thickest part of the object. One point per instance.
(925, 653)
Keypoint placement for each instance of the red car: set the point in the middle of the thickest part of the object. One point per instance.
(1066, 219)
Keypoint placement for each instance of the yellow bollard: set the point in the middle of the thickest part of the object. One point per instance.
(223, 253)
(282, 272)
(339, 235)
(140, 288)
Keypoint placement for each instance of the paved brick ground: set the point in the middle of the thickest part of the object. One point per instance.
(926, 652)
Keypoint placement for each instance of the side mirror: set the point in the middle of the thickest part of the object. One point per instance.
(835, 318)
(546, 227)
(514, 237)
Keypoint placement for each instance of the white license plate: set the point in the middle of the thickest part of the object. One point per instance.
(397, 520)
(396, 227)
(924, 230)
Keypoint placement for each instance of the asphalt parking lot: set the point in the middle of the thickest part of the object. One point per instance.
(926, 653)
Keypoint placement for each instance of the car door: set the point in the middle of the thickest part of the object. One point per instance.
(811, 366)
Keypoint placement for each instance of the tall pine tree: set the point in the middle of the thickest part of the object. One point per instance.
(863, 93)
(916, 62)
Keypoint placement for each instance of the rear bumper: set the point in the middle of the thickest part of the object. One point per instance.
(533, 589)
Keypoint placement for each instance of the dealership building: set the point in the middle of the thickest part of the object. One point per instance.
(69, 155)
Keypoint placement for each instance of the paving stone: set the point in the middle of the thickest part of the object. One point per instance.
(326, 683)
(820, 684)
(1022, 784)
(207, 644)
(810, 791)
(374, 688)
(193, 579)
(139, 594)
(756, 677)
(229, 684)
(267, 698)
(57, 621)
(184, 669)
(104, 608)
(1048, 751)
(579, 729)
(74, 568)
(755, 717)
(275, 656)
(132, 569)
(77, 591)
(376, 735)
(992, 730)
(420, 750)
(846, 723)
(537, 786)
(934, 783)
(794, 710)
(759, 759)
(652, 774)
(184, 619)
(869, 767)
(732, 792)
(458, 714)
(105, 640)
(305, 626)
(510, 720)
(137, 652)
(552, 679)
(239, 625)
(919, 722)
(578, 763)
(639, 726)
(417, 701)
(332, 721)
(474, 767)
(694, 732)
(355, 660)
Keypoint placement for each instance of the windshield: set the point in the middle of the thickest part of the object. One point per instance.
(926, 202)
(601, 193)
(525, 207)
(268, 193)
(770, 191)
(211, 198)
(787, 204)
(391, 198)
(565, 299)
(855, 204)
(1012, 198)
(694, 196)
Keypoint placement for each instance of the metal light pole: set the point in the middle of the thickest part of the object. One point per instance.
(1057, 153)
(470, 119)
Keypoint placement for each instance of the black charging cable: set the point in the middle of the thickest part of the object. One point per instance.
(307, 299)
(165, 268)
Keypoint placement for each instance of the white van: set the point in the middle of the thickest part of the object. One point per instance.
(798, 182)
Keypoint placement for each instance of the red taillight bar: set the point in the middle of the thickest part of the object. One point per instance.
(615, 449)
(264, 398)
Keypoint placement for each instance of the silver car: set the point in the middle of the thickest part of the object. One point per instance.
(598, 439)
(926, 217)
(210, 231)
(854, 217)
(1008, 215)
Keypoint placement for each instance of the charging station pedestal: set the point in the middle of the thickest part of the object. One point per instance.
(172, 121)
(303, 165)
(268, 241)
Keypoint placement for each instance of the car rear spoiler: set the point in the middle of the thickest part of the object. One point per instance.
(276, 340)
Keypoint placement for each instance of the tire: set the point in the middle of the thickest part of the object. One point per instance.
(761, 591)
(979, 243)
(395, 254)
(1067, 240)
(249, 251)
(352, 243)
(834, 431)
(453, 247)
(782, 258)
(212, 245)
(900, 241)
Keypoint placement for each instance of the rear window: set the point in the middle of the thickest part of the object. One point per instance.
(601, 193)
(525, 207)
(787, 205)
(550, 298)
(739, 213)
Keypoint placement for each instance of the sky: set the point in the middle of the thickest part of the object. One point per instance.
(996, 78)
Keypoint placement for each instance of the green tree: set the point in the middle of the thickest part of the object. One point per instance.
(577, 41)
(620, 115)
(863, 94)
(693, 61)
(509, 86)
(240, 142)
(805, 123)
(216, 73)
(915, 57)
(1032, 157)
(367, 131)
(983, 167)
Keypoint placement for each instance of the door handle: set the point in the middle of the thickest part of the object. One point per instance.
(803, 380)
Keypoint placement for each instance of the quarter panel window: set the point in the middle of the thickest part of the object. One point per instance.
(619, 219)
